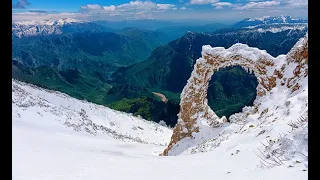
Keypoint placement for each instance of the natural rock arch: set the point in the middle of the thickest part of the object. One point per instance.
(194, 108)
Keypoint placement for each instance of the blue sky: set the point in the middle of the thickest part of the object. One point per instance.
(213, 10)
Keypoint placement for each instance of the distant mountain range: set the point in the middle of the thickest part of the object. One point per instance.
(49, 27)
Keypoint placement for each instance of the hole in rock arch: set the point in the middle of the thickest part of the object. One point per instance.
(231, 89)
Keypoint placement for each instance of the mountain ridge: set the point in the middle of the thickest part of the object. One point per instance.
(268, 20)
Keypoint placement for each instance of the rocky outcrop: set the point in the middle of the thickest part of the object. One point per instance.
(285, 71)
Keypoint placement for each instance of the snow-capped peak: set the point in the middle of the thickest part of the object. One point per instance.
(282, 18)
(267, 20)
(48, 22)
(260, 19)
(50, 26)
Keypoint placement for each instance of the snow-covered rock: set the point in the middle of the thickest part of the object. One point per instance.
(282, 96)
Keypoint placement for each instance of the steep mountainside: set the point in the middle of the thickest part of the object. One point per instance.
(151, 39)
(109, 47)
(78, 63)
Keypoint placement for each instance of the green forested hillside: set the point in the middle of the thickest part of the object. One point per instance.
(80, 63)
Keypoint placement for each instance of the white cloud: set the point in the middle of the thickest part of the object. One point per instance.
(165, 6)
(138, 5)
(280, 4)
(295, 3)
(109, 8)
(220, 5)
(203, 1)
(183, 8)
(132, 6)
(91, 7)
(259, 5)
(131, 10)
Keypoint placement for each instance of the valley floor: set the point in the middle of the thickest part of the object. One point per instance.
(163, 97)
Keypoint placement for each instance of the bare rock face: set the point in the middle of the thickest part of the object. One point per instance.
(286, 71)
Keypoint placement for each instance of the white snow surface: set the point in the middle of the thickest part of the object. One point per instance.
(45, 148)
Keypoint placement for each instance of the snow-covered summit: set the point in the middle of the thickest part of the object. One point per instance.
(267, 20)
(277, 19)
(57, 22)
(52, 26)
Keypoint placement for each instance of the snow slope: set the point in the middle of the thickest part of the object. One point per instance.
(46, 147)
(50, 109)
